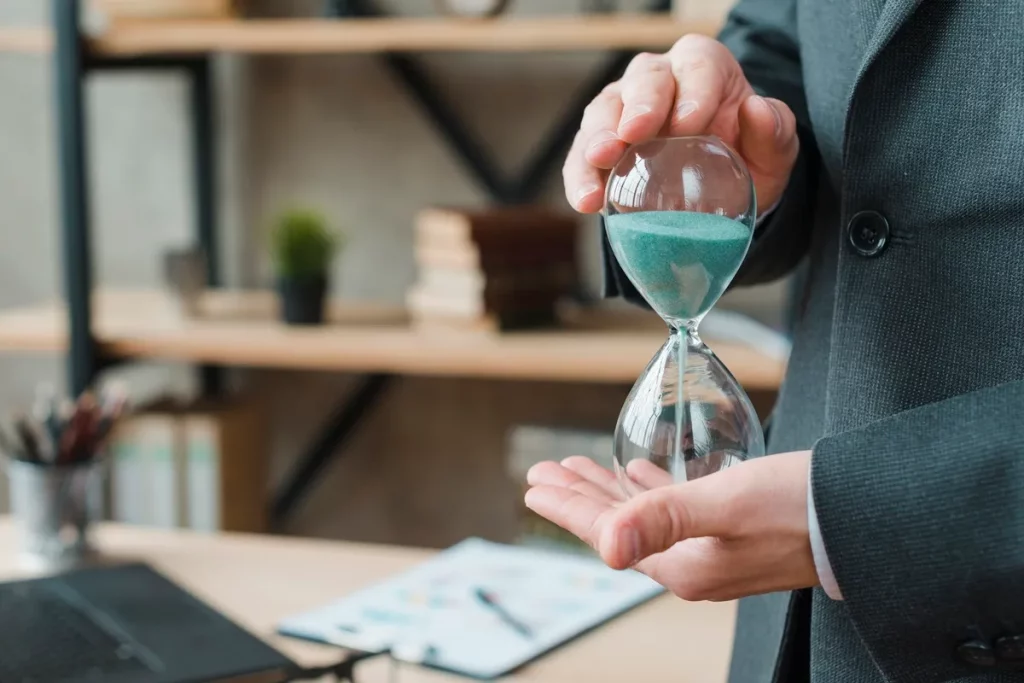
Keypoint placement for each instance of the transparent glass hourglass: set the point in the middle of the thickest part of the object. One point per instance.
(680, 216)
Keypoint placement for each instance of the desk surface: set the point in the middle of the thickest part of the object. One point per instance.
(258, 580)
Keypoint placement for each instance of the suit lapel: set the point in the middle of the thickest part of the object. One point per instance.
(894, 15)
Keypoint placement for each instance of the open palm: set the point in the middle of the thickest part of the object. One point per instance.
(738, 532)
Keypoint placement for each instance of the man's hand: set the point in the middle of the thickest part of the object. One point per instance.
(738, 532)
(696, 88)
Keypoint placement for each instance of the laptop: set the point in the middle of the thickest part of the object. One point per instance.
(119, 624)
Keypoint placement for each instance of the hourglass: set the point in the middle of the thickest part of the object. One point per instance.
(680, 216)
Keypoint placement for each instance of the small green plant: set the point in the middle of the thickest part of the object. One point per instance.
(303, 245)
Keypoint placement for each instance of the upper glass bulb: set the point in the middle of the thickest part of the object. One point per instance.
(680, 216)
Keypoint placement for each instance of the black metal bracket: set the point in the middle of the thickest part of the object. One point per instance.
(339, 427)
(528, 184)
(75, 208)
(72, 64)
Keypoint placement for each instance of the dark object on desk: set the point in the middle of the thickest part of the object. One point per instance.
(491, 601)
(120, 624)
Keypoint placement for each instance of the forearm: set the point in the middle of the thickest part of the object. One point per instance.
(922, 518)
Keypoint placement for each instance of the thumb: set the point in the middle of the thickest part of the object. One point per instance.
(658, 519)
(769, 144)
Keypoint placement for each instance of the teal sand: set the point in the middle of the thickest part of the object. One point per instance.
(680, 261)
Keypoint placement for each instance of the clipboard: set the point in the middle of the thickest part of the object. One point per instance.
(433, 615)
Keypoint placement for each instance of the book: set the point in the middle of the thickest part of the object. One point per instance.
(478, 609)
(226, 467)
(492, 269)
(146, 482)
(493, 225)
(201, 465)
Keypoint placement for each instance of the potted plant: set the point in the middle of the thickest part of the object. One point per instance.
(304, 248)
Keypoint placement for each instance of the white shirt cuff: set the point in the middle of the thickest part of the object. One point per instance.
(821, 563)
(767, 214)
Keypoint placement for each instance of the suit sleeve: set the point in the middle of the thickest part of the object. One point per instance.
(922, 517)
(762, 34)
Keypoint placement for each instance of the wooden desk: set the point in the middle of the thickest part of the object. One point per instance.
(258, 580)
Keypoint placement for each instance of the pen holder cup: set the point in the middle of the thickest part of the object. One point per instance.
(54, 507)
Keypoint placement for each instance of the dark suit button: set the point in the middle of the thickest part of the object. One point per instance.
(1010, 648)
(868, 232)
(976, 652)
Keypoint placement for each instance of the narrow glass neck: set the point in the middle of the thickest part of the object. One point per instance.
(687, 330)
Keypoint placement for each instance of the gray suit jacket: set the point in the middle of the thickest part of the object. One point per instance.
(907, 373)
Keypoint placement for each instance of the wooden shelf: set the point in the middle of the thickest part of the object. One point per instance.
(312, 36)
(240, 329)
(25, 40)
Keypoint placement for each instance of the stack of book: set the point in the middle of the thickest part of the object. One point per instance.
(492, 269)
(711, 11)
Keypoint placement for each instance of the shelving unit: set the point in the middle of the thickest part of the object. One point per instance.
(371, 35)
(240, 328)
(293, 36)
(98, 330)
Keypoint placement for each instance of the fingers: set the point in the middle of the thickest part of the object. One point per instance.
(700, 67)
(554, 474)
(648, 475)
(648, 92)
(584, 183)
(602, 146)
(769, 143)
(679, 93)
(579, 514)
(655, 521)
(594, 473)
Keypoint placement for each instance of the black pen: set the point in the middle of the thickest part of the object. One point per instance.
(30, 444)
(490, 601)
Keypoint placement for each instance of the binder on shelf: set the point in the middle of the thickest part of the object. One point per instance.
(200, 466)
(227, 468)
(145, 467)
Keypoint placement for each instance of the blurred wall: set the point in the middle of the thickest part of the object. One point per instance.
(338, 132)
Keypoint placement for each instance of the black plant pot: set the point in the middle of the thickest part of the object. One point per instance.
(302, 299)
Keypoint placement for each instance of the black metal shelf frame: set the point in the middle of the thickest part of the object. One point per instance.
(73, 64)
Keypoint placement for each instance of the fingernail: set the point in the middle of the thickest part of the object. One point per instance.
(601, 138)
(685, 108)
(776, 115)
(635, 111)
(585, 192)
